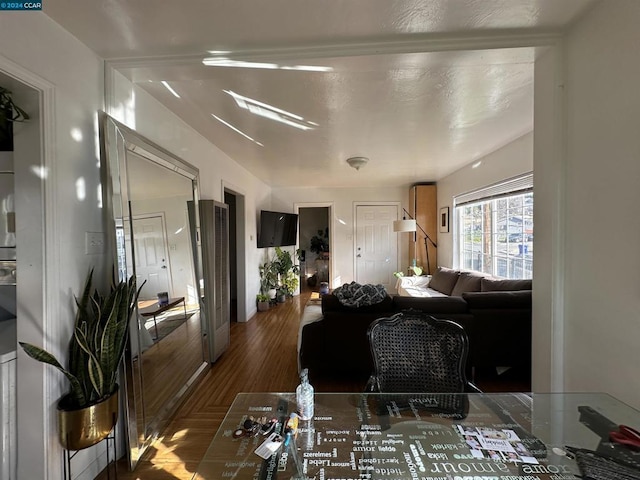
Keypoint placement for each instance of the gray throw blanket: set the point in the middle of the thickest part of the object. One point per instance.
(355, 295)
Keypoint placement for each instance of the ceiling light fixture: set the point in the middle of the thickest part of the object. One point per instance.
(236, 130)
(357, 162)
(272, 113)
(175, 94)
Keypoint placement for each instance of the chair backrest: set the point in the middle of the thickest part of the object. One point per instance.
(414, 352)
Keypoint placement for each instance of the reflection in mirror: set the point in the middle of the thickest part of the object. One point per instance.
(150, 190)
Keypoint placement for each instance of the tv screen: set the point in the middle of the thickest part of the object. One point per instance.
(277, 229)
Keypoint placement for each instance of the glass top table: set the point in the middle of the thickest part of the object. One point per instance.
(510, 436)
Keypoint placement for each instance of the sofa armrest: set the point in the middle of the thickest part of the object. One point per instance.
(520, 299)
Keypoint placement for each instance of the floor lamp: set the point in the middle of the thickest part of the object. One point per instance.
(411, 225)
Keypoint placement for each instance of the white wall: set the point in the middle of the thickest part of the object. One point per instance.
(511, 160)
(342, 226)
(36, 48)
(602, 294)
(138, 110)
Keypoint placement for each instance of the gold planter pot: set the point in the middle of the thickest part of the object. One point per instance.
(87, 426)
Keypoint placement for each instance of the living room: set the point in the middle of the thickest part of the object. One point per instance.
(584, 151)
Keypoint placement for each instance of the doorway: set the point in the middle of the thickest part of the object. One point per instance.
(314, 242)
(376, 245)
(237, 254)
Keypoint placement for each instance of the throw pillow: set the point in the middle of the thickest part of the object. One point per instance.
(467, 282)
(444, 280)
(501, 285)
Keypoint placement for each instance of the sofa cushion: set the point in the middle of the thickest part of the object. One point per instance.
(432, 305)
(520, 299)
(467, 282)
(493, 285)
(444, 280)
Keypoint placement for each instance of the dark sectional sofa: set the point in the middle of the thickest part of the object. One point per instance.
(497, 321)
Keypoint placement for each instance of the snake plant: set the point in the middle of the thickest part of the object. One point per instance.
(97, 345)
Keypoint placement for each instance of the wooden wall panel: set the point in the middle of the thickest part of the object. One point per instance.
(423, 203)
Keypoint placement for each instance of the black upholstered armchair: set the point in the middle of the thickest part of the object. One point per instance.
(416, 353)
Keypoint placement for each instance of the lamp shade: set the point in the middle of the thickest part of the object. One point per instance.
(404, 226)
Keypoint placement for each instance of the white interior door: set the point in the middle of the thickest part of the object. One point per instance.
(376, 245)
(151, 259)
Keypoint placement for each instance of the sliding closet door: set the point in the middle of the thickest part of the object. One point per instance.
(214, 225)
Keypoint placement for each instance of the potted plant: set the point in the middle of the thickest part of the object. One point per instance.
(268, 279)
(320, 243)
(287, 273)
(281, 295)
(283, 263)
(88, 412)
(9, 113)
(290, 282)
(263, 302)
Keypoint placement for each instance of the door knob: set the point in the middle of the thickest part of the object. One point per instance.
(358, 255)
(163, 266)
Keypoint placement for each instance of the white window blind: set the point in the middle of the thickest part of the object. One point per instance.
(511, 186)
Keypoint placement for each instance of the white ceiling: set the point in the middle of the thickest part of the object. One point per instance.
(419, 87)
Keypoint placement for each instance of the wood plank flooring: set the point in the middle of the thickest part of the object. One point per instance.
(262, 357)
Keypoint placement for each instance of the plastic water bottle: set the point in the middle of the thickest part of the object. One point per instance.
(304, 396)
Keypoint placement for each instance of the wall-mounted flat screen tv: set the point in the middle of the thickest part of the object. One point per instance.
(277, 229)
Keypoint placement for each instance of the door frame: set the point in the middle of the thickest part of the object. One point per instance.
(241, 249)
(296, 208)
(40, 283)
(398, 206)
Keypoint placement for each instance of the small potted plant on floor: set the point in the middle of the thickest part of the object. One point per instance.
(263, 302)
(88, 412)
(281, 295)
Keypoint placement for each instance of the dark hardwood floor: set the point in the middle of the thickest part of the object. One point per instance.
(262, 357)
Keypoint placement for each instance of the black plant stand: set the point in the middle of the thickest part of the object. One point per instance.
(67, 456)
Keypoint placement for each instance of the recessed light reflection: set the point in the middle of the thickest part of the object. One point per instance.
(175, 94)
(477, 164)
(236, 130)
(81, 189)
(306, 68)
(76, 134)
(39, 171)
(227, 62)
(269, 111)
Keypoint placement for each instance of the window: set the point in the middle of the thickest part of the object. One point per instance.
(494, 229)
